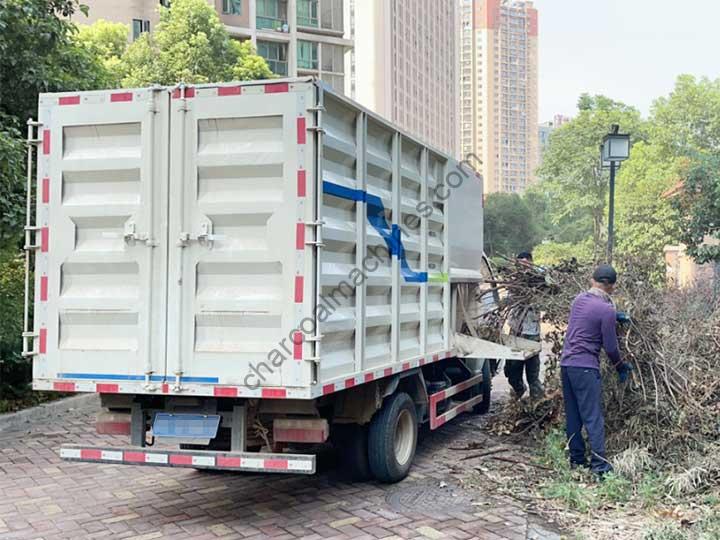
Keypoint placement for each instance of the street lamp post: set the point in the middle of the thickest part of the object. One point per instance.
(615, 149)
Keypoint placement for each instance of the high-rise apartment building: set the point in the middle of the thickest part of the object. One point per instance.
(546, 128)
(498, 90)
(404, 65)
(296, 37)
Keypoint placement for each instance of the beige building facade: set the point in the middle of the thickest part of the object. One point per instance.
(499, 90)
(404, 65)
(296, 37)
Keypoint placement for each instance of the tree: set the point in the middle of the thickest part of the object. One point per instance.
(509, 225)
(106, 42)
(15, 371)
(37, 54)
(686, 126)
(646, 221)
(687, 122)
(12, 196)
(698, 206)
(571, 176)
(189, 45)
(249, 66)
(552, 253)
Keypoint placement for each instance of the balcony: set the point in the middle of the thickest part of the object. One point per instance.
(272, 15)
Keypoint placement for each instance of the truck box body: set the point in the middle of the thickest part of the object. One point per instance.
(269, 239)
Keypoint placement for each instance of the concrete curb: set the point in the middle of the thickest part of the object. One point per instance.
(20, 420)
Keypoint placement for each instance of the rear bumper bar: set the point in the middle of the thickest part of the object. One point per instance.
(232, 461)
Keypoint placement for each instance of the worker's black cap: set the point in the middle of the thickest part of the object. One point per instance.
(524, 255)
(605, 274)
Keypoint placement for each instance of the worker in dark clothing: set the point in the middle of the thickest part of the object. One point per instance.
(525, 323)
(591, 327)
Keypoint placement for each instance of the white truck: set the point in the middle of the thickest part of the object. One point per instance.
(243, 271)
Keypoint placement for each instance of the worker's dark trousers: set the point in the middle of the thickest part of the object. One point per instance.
(514, 373)
(582, 393)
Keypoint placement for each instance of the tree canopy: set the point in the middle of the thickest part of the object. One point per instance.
(38, 54)
(509, 225)
(189, 45)
(571, 175)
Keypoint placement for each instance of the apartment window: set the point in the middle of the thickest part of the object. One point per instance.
(307, 55)
(332, 15)
(232, 7)
(275, 54)
(272, 14)
(333, 58)
(139, 26)
(307, 13)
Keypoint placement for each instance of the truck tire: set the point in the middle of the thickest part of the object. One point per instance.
(392, 438)
(484, 388)
(351, 442)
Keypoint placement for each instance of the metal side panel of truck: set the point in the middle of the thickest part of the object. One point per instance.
(269, 240)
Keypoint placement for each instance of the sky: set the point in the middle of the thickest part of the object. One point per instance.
(629, 50)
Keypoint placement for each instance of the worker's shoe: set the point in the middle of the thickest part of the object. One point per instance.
(536, 390)
(519, 390)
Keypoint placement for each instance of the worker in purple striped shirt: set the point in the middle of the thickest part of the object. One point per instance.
(591, 327)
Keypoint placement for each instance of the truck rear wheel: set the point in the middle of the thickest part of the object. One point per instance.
(392, 438)
(351, 442)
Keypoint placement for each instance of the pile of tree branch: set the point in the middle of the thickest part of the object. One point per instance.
(671, 402)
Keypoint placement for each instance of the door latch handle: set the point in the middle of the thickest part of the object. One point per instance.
(131, 237)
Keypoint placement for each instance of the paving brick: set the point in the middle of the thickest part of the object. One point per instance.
(44, 497)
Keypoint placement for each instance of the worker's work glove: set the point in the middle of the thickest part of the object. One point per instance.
(622, 317)
(623, 371)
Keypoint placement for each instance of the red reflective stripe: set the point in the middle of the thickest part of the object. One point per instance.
(349, 383)
(43, 288)
(225, 391)
(180, 459)
(300, 236)
(45, 190)
(165, 388)
(277, 88)
(406, 366)
(297, 345)
(46, 141)
(299, 285)
(328, 389)
(369, 377)
(223, 461)
(301, 183)
(69, 100)
(435, 358)
(101, 388)
(388, 371)
(281, 464)
(301, 132)
(64, 386)
(274, 393)
(134, 457)
(229, 90)
(90, 453)
(121, 96)
(44, 239)
(43, 343)
(189, 93)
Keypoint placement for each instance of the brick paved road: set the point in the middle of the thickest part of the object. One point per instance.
(43, 497)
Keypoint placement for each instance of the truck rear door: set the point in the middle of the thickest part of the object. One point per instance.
(101, 264)
(241, 169)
